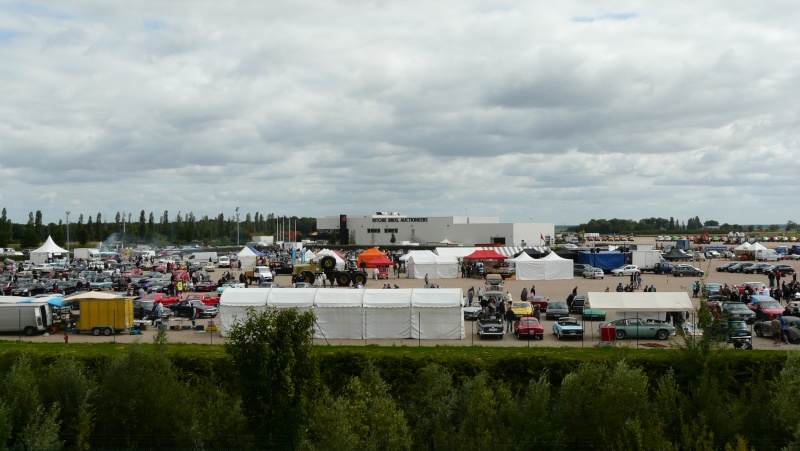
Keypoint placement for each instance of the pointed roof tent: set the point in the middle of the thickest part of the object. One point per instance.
(485, 255)
(51, 247)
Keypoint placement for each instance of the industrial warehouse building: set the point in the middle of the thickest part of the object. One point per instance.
(377, 230)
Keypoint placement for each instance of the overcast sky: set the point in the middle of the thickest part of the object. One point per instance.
(529, 111)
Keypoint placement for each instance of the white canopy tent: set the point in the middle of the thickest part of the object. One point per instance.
(642, 305)
(436, 314)
(550, 267)
(237, 301)
(340, 314)
(387, 313)
(340, 263)
(527, 267)
(420, 263)
(557, 268)
(47, 251)
(248, 256)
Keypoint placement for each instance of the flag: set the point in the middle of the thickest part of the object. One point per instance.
(541, 237)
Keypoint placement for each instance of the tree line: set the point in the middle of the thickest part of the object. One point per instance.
(182, 228)
(272, 393)
(662, 225)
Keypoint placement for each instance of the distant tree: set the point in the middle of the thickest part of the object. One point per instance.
(751, 228)
(711, 223)
(142, 225)
(790, 225)
(774, 228)
(671, 223)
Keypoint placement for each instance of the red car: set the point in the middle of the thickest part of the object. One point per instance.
(206, 286)
(164, 299)
(527, 327)
(540, 302)
(204, 298)
(769, 306)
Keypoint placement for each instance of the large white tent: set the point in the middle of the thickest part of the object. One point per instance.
(248, 256)
(387, 313)
(436, 314)
(47, 251)
(420, 263)
(550, 267)
(340, 263)
(356, 314)
(340, 314)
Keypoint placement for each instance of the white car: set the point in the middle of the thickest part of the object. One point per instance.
(209, 267)
(224, 262)
(626, 270)
(593, 273)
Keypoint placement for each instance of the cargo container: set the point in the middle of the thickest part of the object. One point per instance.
(105, 316)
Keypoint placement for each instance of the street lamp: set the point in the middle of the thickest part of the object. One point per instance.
(68, 212)
(237, 226)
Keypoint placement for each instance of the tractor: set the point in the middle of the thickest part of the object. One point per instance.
(308, 272)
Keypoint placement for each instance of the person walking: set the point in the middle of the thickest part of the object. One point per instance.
(470, 295)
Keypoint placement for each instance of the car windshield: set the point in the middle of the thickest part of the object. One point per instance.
(736, 306)
(771, 304)
(520, 305)
(557, 305)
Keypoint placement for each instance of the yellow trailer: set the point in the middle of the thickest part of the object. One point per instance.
(105, 316)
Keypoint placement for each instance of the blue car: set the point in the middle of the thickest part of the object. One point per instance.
(567, 327)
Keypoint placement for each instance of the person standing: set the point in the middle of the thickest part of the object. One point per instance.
(427, 281)
(470, 295)
(524, 295)
(510, 318)
(480, 295)
(775, 324)
(533, 290)
(195, 314)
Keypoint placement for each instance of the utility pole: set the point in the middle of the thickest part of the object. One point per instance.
(237, 226)
(68, 212)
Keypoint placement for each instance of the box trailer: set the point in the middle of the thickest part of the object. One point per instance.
(204, 256)
(31, 318)
(646, 260)
(104, 316)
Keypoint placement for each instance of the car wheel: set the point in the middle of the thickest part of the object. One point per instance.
(680, 274)
(758, 331)
(662, 334)
(620, 334)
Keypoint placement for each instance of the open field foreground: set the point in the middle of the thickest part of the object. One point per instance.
(554, 290)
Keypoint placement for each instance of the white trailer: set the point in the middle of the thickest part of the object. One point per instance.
(646, 260)
(85, 253)
(204, 256)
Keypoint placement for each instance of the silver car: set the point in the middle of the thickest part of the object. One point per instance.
(593, 273)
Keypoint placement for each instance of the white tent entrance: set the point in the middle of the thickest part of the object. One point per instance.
(48, 250)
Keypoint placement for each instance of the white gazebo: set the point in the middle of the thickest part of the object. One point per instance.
(48, 250)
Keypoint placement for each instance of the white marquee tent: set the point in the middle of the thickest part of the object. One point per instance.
(48, 250)
(550, 267)
(419, 263)
(248, 256)
(356, 314)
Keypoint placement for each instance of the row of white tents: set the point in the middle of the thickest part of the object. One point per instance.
(447, 266)
(356, 314)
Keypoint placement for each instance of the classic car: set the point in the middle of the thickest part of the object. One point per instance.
(785, 270)
(567, 327)
(556, 309)
(67, 286)
(590, 314)
(521, 308)
(577, 304)
(165, 299)
(143, 307)
(204, 298)
(770, 307)
(209, 267)
(29, 289)
(101, 284)
(736, 311)
(224, 287)
(637, 328)
(539, 302)
(490, 326)
(305, 285)
(711, 289)
(268, 285)
(686, 270)
(528, 327)
(206, 286)
(579, 268)
(185, 308)
(593, 273)
(732, 330)
(754, 285)
(764, 328)
(625, 270)
(691, 330)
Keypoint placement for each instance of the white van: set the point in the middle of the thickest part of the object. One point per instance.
(30, 318)
(767, 255)
(224, 262)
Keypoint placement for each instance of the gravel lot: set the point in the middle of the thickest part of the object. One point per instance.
(554, 290)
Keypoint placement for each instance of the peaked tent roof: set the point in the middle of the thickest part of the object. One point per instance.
(51, 247)
(486, 254)
(369, 254)
(552, 256)
(521, 258)
(248, 251)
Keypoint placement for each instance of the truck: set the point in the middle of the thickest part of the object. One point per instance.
(86, 253)
(104, 316)
(30, 318)
(308, 272)
(204, 256)
(646, 260)
(257, 272)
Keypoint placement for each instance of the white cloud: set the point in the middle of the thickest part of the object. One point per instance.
(560, 113)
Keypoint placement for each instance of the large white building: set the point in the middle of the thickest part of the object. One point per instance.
(377, 230)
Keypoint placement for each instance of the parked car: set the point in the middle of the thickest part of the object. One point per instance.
(143, 307)
(556, 309)
(577, 304)
(528, 327)
(165, 299)
(567, 327)
(205, 299)
(522, 308)
(737, 311)
(725, 267)
(785, 270)
(711, 289)
(471, 312)
(539, 302)
(206, 286)
(686, 270)
(739, 267)
(757, 268)
(732, 330)
(579, 268)
(764, 328)
(770, 307)
(185, 308)
(593, 273)
(101, 284)
(29, 289)
(637, 328)
(268, 285)
(490, 326)
(303, 285)
(224, 287)
(625, 270)
(590, 314)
